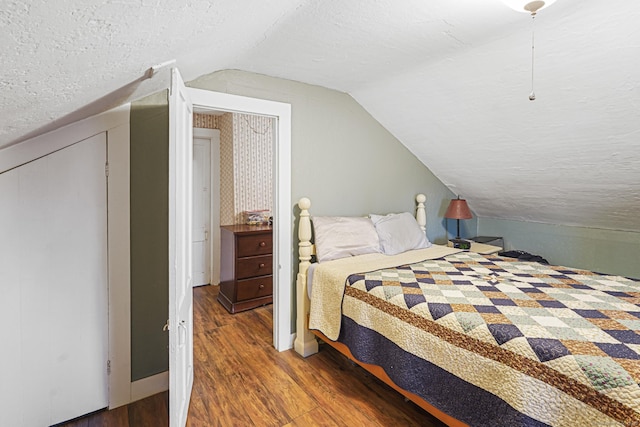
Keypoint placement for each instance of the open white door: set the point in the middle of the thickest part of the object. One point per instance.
(180, 291)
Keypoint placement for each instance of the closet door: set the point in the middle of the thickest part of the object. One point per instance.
(53, 286)
(201, 212)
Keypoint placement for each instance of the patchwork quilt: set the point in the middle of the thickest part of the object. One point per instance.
(493, 341)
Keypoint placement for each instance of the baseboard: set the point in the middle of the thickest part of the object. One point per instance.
(149, 386)
(292, 340)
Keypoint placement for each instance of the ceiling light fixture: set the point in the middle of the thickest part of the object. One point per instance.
(528, 6)
(532, 7)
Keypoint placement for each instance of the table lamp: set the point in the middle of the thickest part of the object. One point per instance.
(458, 209)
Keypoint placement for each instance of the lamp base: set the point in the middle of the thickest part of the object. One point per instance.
(460, 244)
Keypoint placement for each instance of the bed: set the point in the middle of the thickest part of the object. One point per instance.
(475, 339)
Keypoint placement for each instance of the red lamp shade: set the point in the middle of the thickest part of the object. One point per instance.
(458, 209)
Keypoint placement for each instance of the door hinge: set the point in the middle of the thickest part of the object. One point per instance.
(106, 170)
(108, 367)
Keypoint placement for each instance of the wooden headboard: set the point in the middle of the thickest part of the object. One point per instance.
(305, 342)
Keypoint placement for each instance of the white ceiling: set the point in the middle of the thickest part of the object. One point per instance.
(450, 79)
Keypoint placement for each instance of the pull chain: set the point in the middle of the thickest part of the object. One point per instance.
(532, 95)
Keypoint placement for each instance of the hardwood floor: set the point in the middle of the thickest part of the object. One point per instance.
(150, 412)
(241, 380)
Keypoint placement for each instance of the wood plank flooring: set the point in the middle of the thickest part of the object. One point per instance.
(241, 380)
(152, 412)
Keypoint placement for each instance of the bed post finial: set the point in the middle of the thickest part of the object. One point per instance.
(305, 343)
(304, 235)
(421, 215)
(304, 204)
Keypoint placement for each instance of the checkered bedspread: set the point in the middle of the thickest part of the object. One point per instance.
(560, 346)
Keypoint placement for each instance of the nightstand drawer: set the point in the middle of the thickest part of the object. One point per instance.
(254, 266)
(255, 244)
(254, 288)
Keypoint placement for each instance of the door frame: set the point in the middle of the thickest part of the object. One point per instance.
(282, 207)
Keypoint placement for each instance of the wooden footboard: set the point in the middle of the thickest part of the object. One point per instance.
(305, 343)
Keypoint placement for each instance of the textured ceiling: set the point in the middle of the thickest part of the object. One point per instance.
(450, 79)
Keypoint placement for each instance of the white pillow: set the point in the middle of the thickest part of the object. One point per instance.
(399, 233)
(340, 237)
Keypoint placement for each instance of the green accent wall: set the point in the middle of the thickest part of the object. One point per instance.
(149, 235)
(607, 251)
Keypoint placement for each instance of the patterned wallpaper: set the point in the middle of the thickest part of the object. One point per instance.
(227, 195)
(206, 121)
(252, 157)
(246, 157)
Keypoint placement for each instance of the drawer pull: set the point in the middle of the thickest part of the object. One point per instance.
(261, 265)
(261, 286)
(263, 244)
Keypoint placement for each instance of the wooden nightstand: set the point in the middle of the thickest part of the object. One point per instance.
(246, 266)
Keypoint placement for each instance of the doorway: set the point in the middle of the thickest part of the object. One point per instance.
(282, 207)
(232, 175)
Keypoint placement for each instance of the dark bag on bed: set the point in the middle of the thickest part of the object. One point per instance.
(524, 256)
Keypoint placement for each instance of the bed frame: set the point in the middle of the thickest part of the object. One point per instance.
(306, 343)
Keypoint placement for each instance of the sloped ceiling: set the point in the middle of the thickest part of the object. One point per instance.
(450, 79)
